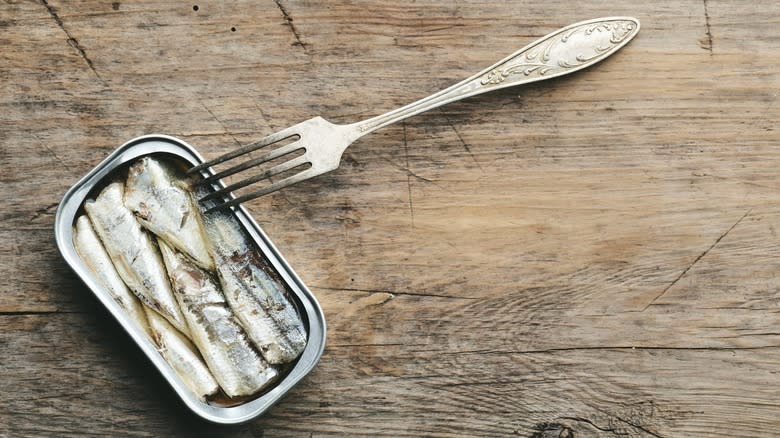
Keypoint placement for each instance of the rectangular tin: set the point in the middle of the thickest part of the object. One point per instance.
(307, 304)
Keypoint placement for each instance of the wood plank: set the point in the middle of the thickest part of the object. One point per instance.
(87, 369)
(591, 256)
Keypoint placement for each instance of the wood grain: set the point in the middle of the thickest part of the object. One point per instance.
(595, 255)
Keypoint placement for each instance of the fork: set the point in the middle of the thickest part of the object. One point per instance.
(564, 51)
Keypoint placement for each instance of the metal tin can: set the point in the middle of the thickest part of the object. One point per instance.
(309, 308)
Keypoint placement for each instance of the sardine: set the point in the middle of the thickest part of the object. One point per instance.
(92, 253)
(237, 366)
(164, 206)
(270, 319)
(181, 355)
(134, 253)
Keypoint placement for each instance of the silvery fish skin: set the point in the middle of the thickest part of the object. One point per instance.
(164, 207)
(134, 253)
(92, 253)
(270, 319)
(237, 366)
(181, 355)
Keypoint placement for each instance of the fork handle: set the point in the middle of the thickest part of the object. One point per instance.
(564, 51)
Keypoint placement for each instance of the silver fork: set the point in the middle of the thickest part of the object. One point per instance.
(564, 51)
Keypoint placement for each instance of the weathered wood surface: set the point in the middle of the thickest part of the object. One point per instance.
(593, 256)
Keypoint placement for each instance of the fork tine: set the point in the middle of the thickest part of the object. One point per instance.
(283, 167)
(298, 177)
(265, 141)
(276, 153)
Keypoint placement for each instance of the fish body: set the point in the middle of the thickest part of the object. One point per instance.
(237, 366)
(182, 356)
(163, 205)
(134, 253)
(92, 253)
(269, 317)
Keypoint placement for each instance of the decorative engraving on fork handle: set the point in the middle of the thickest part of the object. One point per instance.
(555, 54)
(564, 51)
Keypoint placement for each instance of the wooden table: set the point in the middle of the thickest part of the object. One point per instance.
(595, 255)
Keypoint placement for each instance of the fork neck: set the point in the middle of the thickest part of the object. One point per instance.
(459, 91)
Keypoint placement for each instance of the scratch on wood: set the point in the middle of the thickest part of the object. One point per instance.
(213, 133)
(49, 209)
(723, 178)
(408, 171)
(55, 156)
(488, 382)
(59, 160)
(394, 292)
(73, 42)
(264, 116)
(465, 145)
(389, 344)
(408, 175)
(289, 21)
(636, 426)
(416, 176)
(708, 32)
(556, 350)
(682, 274)
(224, 128)
(437, 29)
(585, 420)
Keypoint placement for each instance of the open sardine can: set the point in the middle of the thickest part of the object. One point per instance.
(216, 410)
